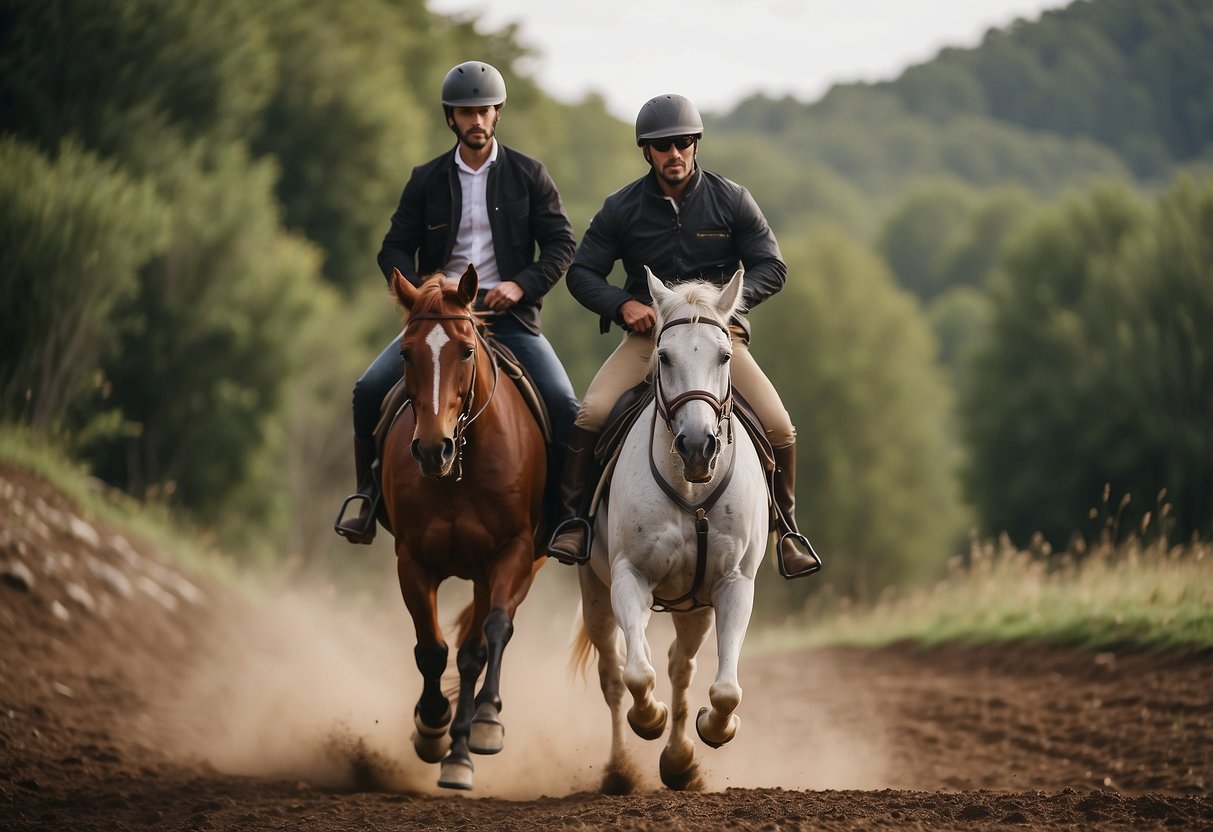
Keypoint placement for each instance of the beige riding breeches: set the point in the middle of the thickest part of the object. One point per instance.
(629, 363)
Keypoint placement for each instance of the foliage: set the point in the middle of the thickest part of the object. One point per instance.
(1096, 373)
(106, 70)
(206, 340)
(74, 229)
(853, 360)
(914, 236)
(1119, 74)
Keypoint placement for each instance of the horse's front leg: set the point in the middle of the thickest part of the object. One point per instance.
(456, 770)
(677, 765)
(432, 715)
(733, 599)
(631, 596)
(509, 582)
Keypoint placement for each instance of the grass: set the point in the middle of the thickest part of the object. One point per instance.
(152, 522)
(1126, 595)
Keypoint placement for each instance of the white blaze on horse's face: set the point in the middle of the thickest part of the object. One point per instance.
(436, 340)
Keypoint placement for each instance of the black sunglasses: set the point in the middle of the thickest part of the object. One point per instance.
(680, 142)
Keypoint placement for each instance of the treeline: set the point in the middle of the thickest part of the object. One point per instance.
(1100, 88)
(193, 194)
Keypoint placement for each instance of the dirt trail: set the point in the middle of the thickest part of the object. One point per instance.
(135, 695)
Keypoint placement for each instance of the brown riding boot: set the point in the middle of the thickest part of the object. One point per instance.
(795, 553)
(570, 539)
(361, 527)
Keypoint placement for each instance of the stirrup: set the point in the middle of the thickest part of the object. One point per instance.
(580, 559)
(783, 570)
(368, 528)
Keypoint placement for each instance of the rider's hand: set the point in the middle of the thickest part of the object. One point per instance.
(637, 316)
(502, 296)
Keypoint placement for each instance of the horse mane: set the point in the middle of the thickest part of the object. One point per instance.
(439, 296)
(695, 299)
(699, 299)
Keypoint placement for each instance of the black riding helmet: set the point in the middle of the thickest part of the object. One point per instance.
(666, 116)
(473, 84)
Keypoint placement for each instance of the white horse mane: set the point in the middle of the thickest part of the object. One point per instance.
(700, 300)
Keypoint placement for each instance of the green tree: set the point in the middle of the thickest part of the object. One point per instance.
(854, 361)
(916, 235)
(1096, 372)
(74, 230)
(206, 340)
(106, 70)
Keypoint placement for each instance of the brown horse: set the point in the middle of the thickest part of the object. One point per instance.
(463, 479)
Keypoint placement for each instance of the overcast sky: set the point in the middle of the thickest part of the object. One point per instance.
(717, 52)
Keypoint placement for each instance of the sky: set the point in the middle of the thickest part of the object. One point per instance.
(718, 52)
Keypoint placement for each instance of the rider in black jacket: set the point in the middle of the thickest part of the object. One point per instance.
(513, 209)
(684, 223)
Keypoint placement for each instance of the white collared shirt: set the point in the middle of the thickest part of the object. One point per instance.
(474, 237)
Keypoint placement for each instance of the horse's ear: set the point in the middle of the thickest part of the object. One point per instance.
(731, 295)
(468, 285)
(658, 291)
(406, 293)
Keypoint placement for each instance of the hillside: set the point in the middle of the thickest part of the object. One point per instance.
(1084, 90)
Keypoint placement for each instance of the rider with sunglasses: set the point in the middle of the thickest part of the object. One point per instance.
(684, 223)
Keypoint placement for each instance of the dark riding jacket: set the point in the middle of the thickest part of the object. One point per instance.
(524, 209)
(716, 228)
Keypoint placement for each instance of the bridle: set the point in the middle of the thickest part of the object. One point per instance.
(466, 417)
(723, 408)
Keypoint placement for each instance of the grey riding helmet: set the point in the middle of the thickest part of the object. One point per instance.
(473, 84)
(666, 116)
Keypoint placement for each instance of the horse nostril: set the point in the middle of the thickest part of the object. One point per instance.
(448, 449)
(680, 445)
(415, 449)
(710, 447)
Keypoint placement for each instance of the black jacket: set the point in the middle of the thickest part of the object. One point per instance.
(525, 209)
(716, 228)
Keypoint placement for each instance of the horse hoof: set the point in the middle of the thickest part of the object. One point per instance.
(654, 731)
(431, 742)
(488, 733)
(734, 722)
(456, 774)
(678, 781)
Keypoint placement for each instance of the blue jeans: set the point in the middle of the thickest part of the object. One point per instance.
(534, 351)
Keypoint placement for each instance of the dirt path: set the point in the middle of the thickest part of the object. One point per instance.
(133, 695)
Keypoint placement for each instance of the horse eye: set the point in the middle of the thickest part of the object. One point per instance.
(468, 352)
(726, 358)
(664, 358)
(406, 356)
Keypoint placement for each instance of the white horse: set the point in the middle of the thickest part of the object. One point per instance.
(683, 529)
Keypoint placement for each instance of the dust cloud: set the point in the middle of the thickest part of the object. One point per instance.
(307, 685)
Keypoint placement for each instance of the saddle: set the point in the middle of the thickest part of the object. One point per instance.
(624, 414)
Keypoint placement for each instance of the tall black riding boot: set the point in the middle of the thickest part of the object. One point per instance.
(361, 527)
(570, 538)
(795, 553)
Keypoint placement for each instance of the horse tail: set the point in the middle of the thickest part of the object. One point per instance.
(579, 661)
